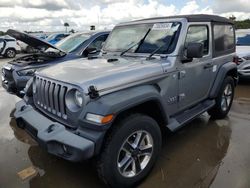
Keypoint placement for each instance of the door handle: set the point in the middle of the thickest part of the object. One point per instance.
(208, 65)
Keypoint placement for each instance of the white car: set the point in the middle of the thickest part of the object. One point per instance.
(243, 52)
(25, 48)
(9, 46)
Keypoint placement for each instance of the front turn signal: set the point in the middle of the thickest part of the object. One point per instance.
(99, 118)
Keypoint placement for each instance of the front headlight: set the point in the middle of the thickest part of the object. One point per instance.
(74, 100)
(26, 72)
(78, 98)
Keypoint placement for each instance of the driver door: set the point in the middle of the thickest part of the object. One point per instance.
(195, 76)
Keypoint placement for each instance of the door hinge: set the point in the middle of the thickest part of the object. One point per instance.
(181, 74)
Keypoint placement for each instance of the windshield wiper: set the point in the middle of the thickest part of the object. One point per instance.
(160, 47)
(138, 43)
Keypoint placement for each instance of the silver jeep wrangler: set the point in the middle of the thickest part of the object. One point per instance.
(153, 75)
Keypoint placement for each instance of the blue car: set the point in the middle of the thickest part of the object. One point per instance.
(16, 73)
(55, 38)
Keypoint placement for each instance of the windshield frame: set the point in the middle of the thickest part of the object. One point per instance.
(179, 30)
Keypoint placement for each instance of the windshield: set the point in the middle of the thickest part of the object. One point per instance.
(70, 43)
(51, 37)
(124, 37)
(243, 39)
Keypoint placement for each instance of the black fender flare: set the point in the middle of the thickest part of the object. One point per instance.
(221, 74)
(120, 101)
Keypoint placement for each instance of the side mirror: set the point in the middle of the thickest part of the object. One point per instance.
(194, 50)
(89, 51)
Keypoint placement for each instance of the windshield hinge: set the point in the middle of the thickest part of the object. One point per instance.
(181, 74)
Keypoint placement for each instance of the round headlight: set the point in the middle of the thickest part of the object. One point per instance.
(78, 98)
(74, 100)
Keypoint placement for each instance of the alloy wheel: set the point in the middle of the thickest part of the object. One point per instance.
(135, 154)
(226, 97)
(11, 53)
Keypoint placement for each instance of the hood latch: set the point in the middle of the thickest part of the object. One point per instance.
(93, 93)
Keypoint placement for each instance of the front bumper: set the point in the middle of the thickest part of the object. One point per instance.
(8, 82)
(12, 82)
(245, 73)
(53, 136)
(244, 69)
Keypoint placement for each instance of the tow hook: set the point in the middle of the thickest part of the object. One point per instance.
(51, 128)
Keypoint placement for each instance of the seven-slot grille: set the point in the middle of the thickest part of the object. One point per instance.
(50, 96)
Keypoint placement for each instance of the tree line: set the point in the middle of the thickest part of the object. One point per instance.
(245, 24)
(240, 24)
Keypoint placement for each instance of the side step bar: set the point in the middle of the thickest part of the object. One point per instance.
(182, 118)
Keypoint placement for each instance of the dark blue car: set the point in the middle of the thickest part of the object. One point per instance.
(56, 37)
(16, 73)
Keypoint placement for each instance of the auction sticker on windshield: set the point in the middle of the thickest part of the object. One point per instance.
(162, 26)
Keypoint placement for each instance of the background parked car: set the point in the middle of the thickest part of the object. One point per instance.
(9, 46)
(16, 73)
(40, 35)
(243, 52)
(25, 48)
(54, 38)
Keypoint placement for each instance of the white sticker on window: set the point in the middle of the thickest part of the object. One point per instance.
(162, 26)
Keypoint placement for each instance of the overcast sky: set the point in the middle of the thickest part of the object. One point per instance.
(49, 15)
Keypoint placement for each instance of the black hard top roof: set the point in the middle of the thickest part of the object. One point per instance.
(195, 18)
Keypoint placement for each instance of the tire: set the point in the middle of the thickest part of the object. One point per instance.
(114, 151)
(224, 99)
(10, 53)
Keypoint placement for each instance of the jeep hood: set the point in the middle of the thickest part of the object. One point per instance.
(105, 75)
(31, 40)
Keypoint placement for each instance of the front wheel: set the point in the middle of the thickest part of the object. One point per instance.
(10, 53)
(130, 151)
(224, 100)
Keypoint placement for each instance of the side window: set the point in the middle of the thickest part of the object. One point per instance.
(97, 43)
(223, 38)
(198, 34)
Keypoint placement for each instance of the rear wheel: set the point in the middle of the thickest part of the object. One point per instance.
(130, 151)
(10, 53)
(224, 100)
